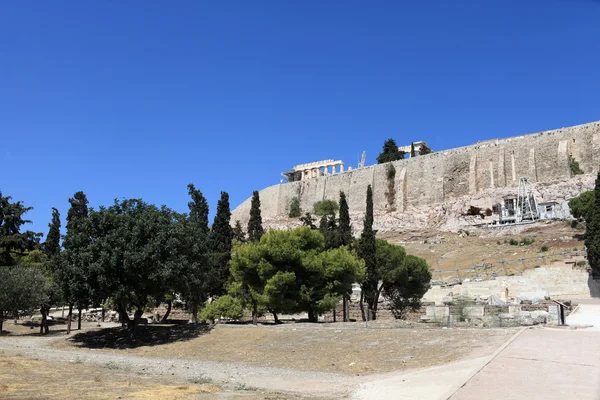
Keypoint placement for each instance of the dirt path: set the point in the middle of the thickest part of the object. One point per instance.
(278, 379)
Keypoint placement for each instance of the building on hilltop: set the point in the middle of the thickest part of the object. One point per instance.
(315, 169)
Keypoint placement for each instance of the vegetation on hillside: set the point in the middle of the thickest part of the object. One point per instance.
(390, 152)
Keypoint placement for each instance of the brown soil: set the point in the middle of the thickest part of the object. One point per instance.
(349, 350)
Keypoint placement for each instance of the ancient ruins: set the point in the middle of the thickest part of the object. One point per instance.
(314, 170)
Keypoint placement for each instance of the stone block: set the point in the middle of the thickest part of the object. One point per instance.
(437, 311)
(474, 311)
(514, 309)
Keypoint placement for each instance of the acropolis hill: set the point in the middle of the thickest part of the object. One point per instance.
(436, 190)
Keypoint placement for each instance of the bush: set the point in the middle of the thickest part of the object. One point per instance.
(574, 164)
(544, 249)
(295, 210)
(581, 205)
(325, 207)
(225, 306)
(521, 242)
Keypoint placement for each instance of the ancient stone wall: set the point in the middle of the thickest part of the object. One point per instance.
(445, 176)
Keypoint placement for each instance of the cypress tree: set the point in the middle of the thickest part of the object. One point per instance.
(255, 228)
(390, 152)
(238, 232)
(198, 208)
(367, 251)
(323, 225)
(592, 233)
(52, 244)
(345, 230)
(412, 150)
(221, 239)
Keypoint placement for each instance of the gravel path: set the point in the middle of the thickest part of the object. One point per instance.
(278, 379)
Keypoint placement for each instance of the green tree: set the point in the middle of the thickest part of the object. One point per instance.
(325, 207)
(255, 228)
(390, 152)
(592, 233)
(50, 266)
(221, 238)
(72, 275)
(23, 289)
(412, 150)
(582, 205)
(290, 271)
(13, 242)
(367, 250)
(295, 210)
(52, 244)
(198, 208)
(238, 232)
(134, 254)
(345, 229)
(308, 220)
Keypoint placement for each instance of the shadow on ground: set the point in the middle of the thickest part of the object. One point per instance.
(144, 335)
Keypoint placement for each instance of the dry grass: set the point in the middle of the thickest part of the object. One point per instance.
(22, 378)
(310, 348)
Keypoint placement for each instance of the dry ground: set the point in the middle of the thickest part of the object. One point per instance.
(303, 347)
(23, 378)
(447, 251)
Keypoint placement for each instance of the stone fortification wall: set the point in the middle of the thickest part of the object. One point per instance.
(446, 176)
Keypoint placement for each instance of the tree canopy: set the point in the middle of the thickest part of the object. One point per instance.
(255, 228)
(592, 233)
(582, 205)
(14, 242)
(390, 152)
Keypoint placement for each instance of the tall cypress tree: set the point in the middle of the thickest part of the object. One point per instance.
(238, 232)
(73, 272)
(198, 208)
(592, 233)
(367, 251)
(221, 238)
(344, 228)
(12, 240)
(52, 244)
(255, 228)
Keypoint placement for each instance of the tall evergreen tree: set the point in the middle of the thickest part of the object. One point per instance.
(198, 208)
(390, 152)
(238, 232)
(255, 228)
(412, 150)
(73, 274)
(367, 250)
(52, 244)
(592, 233)
(345, 230)
(221, 240)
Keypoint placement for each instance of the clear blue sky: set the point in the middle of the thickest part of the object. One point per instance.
(140, 98)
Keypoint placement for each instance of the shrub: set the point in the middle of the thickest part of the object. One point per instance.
(295, 210)
(545, 248)
(521, 242)
(574, 164)
(325, 207)
(225, 306)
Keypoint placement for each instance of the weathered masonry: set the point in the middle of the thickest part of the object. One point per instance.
(446, 175)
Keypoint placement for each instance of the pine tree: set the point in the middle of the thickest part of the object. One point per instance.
(221, 239)
(52, 244)
(12, 240)
(390, 152)
(238, 232)
(198, 208)
(344, 228)
(592, 233)
(367, 249)
(255, 228)
(412, 150)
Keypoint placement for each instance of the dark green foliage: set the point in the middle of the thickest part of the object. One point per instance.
(592, 233)
(13, 242)
(290, 271)
(390, 194)
(521, 242)
(574, 165)
(52, 244)
(295, 210)
(412, 150)
(390, 152)
(344, 228)
(238, 232)
(221, 237)
(405, 284)
(133, 254)
(544, 249)
(225, 306)
(582, 204)
(367, 251)
(325, 207)
(308, 220)
(198, 208)
(22, 289)
(255, 228)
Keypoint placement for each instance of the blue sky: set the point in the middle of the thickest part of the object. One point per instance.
(140, 98)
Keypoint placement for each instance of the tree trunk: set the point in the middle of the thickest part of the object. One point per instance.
(79, 319)
(166, 317)
(69, 317)
(276, 318)
(195, 312)
(44, 323)
(123, 316)
(255, 314)
(362, 305)
(334, 315)
(344, 309)
(1, 321)
(311, 316)
(63, 311)
(103, 313)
